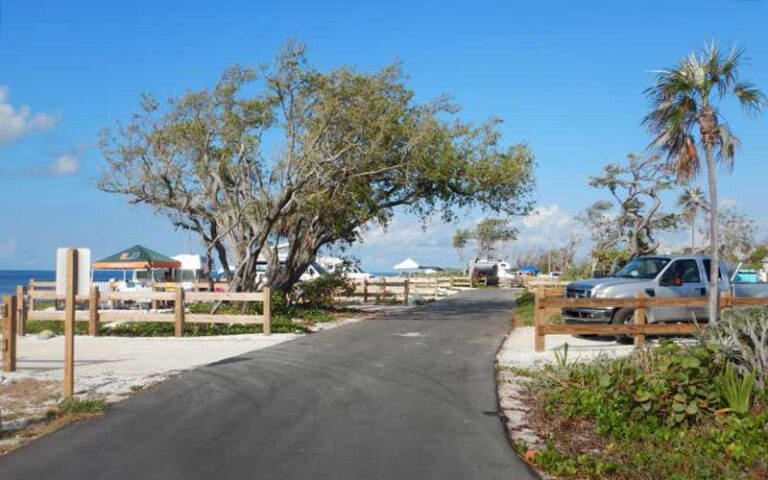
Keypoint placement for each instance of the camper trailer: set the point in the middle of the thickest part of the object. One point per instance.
(485, 269)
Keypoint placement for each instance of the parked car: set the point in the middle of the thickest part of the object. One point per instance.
(656, 276)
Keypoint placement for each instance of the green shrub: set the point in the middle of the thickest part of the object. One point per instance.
(315, 315)
(736, 390)
(55, 326)
(523, 311)
(656, 414)
(166, 329)
(674, 387)
(74, 406)
(742, 335)
(320, 291)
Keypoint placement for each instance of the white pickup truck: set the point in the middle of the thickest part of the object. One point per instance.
(656, 276)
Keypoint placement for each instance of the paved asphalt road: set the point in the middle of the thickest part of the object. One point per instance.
(408, 396)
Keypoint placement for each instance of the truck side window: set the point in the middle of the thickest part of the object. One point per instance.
(707, 266)
(685, 270)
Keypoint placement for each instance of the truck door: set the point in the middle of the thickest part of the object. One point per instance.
(681, 279)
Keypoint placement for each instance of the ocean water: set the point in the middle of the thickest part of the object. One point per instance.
(10, 279)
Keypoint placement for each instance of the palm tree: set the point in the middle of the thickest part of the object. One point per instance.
(692, 201)
(685, 119)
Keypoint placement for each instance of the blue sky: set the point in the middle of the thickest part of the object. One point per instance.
(567, 77)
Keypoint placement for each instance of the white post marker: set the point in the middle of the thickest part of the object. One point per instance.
(72, 279)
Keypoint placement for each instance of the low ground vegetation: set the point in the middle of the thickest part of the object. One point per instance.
(58, 415)
(524, 310)
(675, 412)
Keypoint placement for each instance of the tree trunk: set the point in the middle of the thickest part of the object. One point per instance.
(693, 233)
(714, 291)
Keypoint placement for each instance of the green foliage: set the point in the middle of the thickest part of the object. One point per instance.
(755, 260)
(55, 326)
(490, 232)
(459, 241)
(742, 335)
(75, 406)
(657, 414)
(673, 389)
(736, 390)
(561, 357)
(315, 315)
(166, 329)
(556, 463)
(320, 291)
(523, 312)
(358, 146)
(610, 260)
(635, 187)
(577, 271)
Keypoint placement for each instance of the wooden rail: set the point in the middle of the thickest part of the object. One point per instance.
(94, 316)
(545, 304)
(400, 290)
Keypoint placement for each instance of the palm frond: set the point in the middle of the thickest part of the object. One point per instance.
(728, 143)
(749, 96)
(683, 108)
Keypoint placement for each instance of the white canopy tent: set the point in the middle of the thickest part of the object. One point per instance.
(407, 264)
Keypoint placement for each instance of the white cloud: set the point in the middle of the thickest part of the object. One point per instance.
(65, 164)
(726, 203)
(15, 123)
(548, 226)
(8, 247)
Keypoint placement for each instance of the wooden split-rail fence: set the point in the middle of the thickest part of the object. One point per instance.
(399, 290)
(548, 301)
(16, 311)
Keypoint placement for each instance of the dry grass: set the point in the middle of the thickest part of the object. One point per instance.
(35, 406)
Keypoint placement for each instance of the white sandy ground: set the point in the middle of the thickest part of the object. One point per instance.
(112, 367)
(518, 351)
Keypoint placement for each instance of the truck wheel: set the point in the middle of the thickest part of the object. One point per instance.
(623, 317)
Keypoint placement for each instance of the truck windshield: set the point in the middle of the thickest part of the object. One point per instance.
(644, 267)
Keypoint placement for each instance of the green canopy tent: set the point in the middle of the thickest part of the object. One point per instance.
(135, 258)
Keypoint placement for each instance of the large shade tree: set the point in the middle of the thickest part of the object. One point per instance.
(686, 122)
(291, 155)
(636, 187)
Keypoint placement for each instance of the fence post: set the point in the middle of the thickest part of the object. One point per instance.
(725, 301)
(539, 320)
(69, 323)
(178, 312)
(267, 311)
(437, 287)
(384, 288)
(451, 281)
(9, 333)
(405, 292)
(93, 311)
(31, 304)
(365, 290)
(640, 321)
(21, 295)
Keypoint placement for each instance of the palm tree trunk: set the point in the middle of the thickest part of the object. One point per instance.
(714, 292)
(693, 234)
